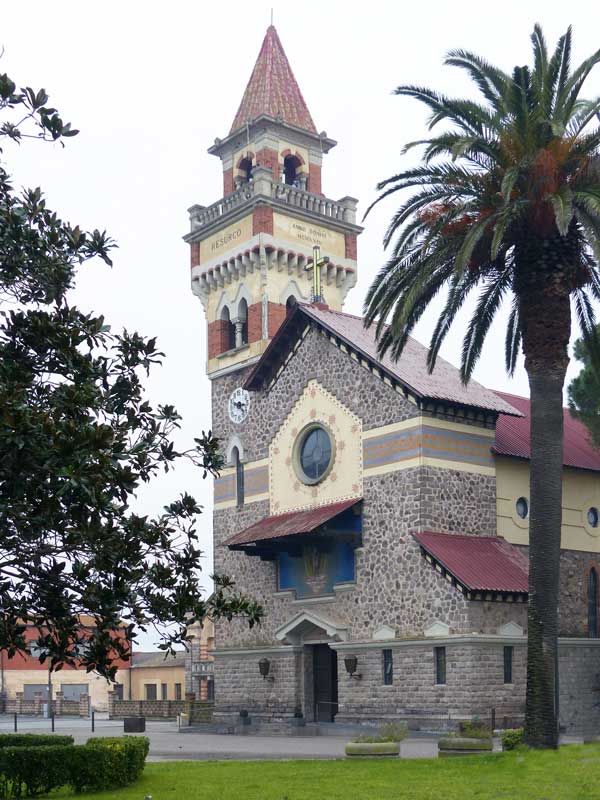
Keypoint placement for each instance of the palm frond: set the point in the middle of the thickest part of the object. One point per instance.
(512, 344)
(483, 316)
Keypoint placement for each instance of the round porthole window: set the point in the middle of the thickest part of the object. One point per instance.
(314, 454)
(522, 507)
(593, 517)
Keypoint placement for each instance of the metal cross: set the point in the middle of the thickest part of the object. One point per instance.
(317, 264)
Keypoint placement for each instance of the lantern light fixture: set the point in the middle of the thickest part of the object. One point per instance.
(264, 667)
(351, 664)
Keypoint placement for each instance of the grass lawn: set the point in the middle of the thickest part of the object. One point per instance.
(571, 773)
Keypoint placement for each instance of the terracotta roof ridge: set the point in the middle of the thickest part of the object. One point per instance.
(470, 536)
(502, 393)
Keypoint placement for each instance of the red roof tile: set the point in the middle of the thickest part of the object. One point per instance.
(479, 563)
(513, 436)
(289, 524)
(273, 90)
(444, 383)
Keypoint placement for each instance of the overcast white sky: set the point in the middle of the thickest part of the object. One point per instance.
(150, 85)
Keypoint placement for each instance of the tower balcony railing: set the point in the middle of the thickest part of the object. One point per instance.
(262, 184)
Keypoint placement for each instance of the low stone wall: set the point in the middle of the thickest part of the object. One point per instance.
(159, 709)
(36, 707)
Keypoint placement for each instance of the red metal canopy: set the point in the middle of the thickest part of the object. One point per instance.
(289, 524)
(479, 563)
(513, 436)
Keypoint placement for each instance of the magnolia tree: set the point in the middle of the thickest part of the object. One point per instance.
(78, 437)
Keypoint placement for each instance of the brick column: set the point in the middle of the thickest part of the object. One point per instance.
(58, 704)
(84, 705)
(37, 703)
(19, 703)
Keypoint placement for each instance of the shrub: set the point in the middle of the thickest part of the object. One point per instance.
(110, 762)
(390, 732)
(100, 764)
(474, 729)
(33, 740)
(512, 738)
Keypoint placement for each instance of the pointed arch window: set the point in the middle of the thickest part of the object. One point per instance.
(593, 604)
(243, 320)
(229, 333)
(239, 476)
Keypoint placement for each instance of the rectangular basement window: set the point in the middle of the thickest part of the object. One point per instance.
(508, 664)
(388, 667)
(440, 664)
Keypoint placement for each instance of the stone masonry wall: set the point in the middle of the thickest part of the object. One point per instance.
(248, 690)
(474, 685)
(579, 687)
(364, 394)
(394, 585)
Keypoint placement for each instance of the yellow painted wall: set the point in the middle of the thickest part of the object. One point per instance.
(140, 676)
(581, 489)
(307, 234)
(344, 480)
(229, 238)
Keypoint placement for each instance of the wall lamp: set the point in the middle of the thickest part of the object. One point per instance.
(264, 667)
(351, 664)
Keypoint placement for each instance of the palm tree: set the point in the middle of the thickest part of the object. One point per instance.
(507, 201)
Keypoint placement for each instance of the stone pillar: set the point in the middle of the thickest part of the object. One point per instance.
(58, 704)
(84, 705)
(19, 703)
(349, 204)
(262, 181)
(37, 703)
(112, 697)
(238, 324)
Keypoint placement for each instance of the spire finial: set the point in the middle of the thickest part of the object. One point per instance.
(271, 17)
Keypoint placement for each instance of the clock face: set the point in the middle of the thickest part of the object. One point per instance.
(238, 405)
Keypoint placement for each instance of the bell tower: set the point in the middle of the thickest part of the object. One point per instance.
(252, 251)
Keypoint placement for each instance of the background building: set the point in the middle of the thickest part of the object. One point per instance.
(24, 675)
(156, 676)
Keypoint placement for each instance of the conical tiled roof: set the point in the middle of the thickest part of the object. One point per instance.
(272, 89)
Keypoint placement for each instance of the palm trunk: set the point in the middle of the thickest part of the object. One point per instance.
(541, 720)
(546, 324)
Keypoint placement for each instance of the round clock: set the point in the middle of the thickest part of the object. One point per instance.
(238, 405)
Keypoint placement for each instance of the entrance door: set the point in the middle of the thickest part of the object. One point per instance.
(325, 683)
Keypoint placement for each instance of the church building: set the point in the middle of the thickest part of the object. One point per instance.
(379, 513)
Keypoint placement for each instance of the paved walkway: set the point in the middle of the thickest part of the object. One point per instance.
(167, 743)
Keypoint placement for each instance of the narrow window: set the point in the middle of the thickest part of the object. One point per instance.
(388, 667)
(290, 164)
(508, 664)
(245, 170)
(150, 691)
(163, 691)
(239, 476)
(177, 691)
(440, 665)
(243, 317)
(593, 604)
(228, 332)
